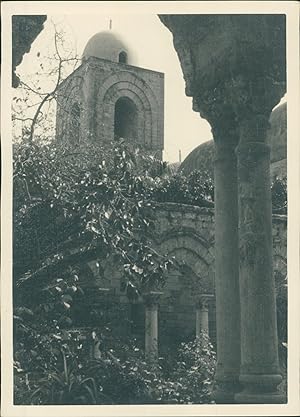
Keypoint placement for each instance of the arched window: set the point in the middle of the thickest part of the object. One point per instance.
(123, 57)
(126, 117)
(75, 124)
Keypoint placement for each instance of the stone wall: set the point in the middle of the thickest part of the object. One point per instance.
(96, 86)
(187, 233)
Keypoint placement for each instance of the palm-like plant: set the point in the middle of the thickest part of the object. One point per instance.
(66, 386)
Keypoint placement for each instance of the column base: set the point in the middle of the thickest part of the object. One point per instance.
(260, 389)
(224, 392)
(245, 397)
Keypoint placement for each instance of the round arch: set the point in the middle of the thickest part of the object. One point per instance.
(188, 241)
(137, 89)
(143, 117)
(191, 248)
(184, 282)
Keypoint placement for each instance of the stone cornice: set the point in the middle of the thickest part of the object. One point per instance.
(187, 208)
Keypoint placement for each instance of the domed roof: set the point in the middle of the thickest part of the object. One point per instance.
(106, 45)
(202, 156)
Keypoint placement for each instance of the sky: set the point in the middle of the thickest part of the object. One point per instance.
(151, 43)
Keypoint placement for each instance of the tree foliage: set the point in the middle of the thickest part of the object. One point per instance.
(70, 208)
(91, 203)
(196, 189)
(279, 195)
(119, 375)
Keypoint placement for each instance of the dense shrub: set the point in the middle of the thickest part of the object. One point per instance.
(192, 377)
(116, 376)
(279, 195)
(70, 208)
(195, 189)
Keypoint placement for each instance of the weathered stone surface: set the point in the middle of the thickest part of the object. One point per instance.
(151, 301)
(199, 272)
(202, 157)
(217, 52)
(259, 360)
(202, 320)
(235, 69)
(96, 86)
(25, 29)
(226, 274)
(177, 317)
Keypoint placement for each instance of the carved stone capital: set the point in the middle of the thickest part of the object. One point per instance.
(202, 301)
(234, 67)
(252, 101)
(151, 299)
(239, 108)
(253, 95)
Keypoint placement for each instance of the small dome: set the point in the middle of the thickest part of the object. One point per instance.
(200, 158)
(106, 45)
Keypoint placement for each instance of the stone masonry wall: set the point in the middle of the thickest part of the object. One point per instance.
(187, 233)
(96, 86)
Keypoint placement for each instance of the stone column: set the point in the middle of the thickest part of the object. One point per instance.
(245, 78)
(226, 264)
(151, 301)
(202, 314)
(260, 372)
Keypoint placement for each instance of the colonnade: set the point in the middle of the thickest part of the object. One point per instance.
(151, 302)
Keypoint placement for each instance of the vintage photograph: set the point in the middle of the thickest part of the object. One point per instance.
(149, 208)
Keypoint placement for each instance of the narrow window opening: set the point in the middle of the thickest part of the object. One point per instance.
(123, 57)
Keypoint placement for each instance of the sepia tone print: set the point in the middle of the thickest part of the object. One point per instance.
(139, 278)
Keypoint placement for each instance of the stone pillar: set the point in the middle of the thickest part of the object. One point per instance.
(244, 79)
(226, 264)
(151, 301)
(260, 372)
(202, 314)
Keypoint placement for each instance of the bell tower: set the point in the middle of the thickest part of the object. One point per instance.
(108, 97)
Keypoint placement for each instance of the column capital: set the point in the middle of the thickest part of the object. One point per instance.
(202, 301)
(252, 101)
(151, 298)
(254, 95)
(214, 106)
(239, 107)
(234, 67)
